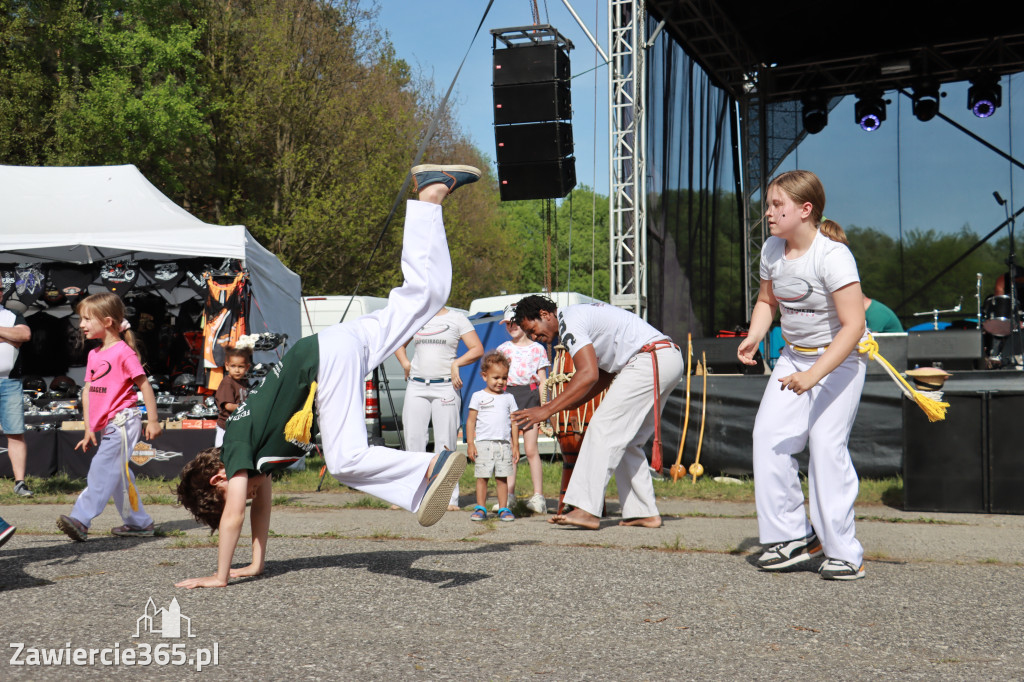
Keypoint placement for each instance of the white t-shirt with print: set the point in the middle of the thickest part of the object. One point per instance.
(803, 287)
(437, 343)
(616, 334)
(493, 415)
(525, 362)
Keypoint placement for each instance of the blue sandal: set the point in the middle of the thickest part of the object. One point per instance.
(479, 514)
(505, 514)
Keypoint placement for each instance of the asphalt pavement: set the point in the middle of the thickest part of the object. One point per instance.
(368, 594)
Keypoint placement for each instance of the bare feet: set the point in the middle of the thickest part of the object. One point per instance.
(578, 518)
(646, 522)
(453, 507)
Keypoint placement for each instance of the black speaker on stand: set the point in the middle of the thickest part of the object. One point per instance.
(532, 113)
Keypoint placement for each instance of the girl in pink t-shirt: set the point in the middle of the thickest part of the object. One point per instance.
(112, 374)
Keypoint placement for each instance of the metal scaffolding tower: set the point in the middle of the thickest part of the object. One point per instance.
(627, 163)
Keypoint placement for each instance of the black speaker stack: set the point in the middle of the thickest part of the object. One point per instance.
(970, 462)
(532, 113)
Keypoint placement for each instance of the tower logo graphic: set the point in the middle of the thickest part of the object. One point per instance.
(168, 623)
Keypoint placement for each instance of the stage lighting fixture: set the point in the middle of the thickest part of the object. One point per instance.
(815, 114)
(869, 111)
(985, 95)
(925, 102)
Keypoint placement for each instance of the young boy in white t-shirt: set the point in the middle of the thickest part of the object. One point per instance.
(492, 437)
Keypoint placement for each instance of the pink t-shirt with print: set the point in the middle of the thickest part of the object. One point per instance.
(526, 360)
(110, 375)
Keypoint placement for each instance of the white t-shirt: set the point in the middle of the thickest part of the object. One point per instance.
(437, 343)
(804, 286)
(525, 362)
(493, 415)
(616, 334)
(8, 351)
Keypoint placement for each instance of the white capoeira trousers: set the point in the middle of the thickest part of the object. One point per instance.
(614, 442)
(438, 405)
(822, 419)
(104, 478)
(348, 351)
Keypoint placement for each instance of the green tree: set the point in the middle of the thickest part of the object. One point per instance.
(578, 237)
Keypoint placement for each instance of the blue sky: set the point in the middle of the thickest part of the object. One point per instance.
(927, 175)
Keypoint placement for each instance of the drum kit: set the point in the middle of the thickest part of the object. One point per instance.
(997, 324)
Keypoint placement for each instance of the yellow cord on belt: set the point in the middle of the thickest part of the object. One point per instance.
(933, 409)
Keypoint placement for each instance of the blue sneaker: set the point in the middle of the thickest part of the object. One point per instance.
(442, 480)
(451, 177)
(6, 532)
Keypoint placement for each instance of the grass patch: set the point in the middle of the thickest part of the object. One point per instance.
(285, 501)
(194, 543)
(173, 533)
(674, 546)
(383, 535)
(61, 489)
(366, 502)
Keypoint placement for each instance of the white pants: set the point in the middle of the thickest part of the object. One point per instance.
(104, 478)
(822, 419)
(439, 405)
(348, 351)
(614, 442)
(218, 437)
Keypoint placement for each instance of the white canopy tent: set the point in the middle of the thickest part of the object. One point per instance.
(83, 215)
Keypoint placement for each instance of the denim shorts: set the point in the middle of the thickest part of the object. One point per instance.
(12, 407)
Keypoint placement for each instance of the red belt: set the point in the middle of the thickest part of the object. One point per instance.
(656, 461)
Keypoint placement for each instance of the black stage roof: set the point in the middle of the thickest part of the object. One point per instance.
(794, 48)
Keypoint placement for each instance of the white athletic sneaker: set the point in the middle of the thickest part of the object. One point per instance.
(788, 554)
(837, 569)
(537, 504)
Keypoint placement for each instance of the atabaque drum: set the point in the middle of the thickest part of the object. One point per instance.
(569, 425)
(995, 313)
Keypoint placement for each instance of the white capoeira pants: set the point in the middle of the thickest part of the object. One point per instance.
(822, 419)
(348, 351)
(104, 479)
(438, 405)
(614, 442)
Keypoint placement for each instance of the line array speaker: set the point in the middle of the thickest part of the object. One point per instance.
(530, 64)
(533, 115)
(536, 180)
(533, 142)
(532, 102)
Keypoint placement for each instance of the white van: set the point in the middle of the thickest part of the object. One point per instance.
(492, 304)
(319, 313)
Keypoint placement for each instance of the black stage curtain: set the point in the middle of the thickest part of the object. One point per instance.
(694, 233)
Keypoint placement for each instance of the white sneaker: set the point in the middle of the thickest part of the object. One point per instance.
(495, 508)
(537, 504)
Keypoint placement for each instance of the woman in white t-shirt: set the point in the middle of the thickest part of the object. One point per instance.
(529, 363)
(809, 274)
(432, 397)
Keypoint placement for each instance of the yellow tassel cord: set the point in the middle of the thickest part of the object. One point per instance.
(933, 409)
(126, 476)
(300, 427)
(133, 494)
